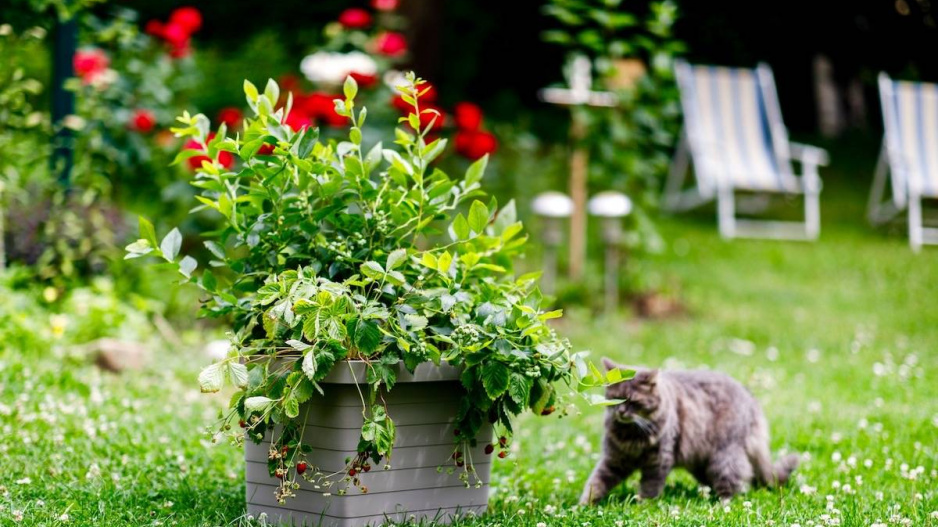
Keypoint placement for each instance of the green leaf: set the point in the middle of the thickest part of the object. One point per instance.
(416, 322)
(187, 265)
(272, 91)
(171, 244)
(520, 389)
(350, 89)
(372, 270)
(307, 142)
(291, 407)
(557, 313)
(298, 345)
(444, 261)
(309, 365)
(460, 228)
(250, 148)
(495, 379)
(367, 336)
(507, 216)
(396, 258)
(237, 374)
(137, 249)
(257, 404)
(428, 260)
(147, 232)
(476, 170)
(250, 90)
(478, 217)
(211, 378)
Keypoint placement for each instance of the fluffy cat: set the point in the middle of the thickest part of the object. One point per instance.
(702, 421)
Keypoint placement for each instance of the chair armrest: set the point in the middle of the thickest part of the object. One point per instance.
(808, 154)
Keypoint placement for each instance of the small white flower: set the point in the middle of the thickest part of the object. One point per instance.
(24, 481)
(63, 517)
(836, 457)
(541, 524)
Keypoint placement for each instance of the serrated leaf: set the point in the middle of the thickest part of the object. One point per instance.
(291, 407)
(257, 404)
(237, 374)
(211, 378)
(416, 322)
(309, 365)
(495, 378)
(519, 389)
(372, 270)
(298, 345)
(171, 244)
(215, 249)
(478, 217)
(367, 336)
(396, 258)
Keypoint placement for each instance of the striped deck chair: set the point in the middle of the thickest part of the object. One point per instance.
(734, 136)
(909, 155)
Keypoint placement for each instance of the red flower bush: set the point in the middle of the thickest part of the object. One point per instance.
(189, 18)
(89, 64)
(391, 44)
(364, 80)
(474, 144)
(468, 116)
(231, 116)
(384, 5)
(143, 121)
(266, 149)
(225, 159)
(177, 32)
(355, 18)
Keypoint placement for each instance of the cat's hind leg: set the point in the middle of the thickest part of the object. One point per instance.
(729, 471)
(605, 477)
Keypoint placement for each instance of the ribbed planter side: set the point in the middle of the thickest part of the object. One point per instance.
(423, 406)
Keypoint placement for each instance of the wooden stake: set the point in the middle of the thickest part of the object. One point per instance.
(579, 173)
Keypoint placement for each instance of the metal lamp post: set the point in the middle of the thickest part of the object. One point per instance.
(554, 207)
(611, 207)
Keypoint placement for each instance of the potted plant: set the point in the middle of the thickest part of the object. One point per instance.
(378, 336)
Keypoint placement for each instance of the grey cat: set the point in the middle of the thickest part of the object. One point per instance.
(702, 421)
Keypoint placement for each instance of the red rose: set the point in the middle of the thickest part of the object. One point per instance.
(225, 159)
(266, 149)
(318, 104)
(355, 18)
(468, 116)
(391, 44)
(289, 83)
(475, 144)
(90, 63)
(143, 121)
(297, 120)
(154, 28)
(231, 116)
(364, 80)
(189, 18)
(384, 5)
(176, 34)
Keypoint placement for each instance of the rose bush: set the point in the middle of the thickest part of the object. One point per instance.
(336, 251)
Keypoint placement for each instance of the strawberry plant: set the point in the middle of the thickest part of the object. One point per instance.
(338, 251)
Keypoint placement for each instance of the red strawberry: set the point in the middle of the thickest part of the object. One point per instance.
(301, 467)
(489, 449)
(503, 454)
(352, 472)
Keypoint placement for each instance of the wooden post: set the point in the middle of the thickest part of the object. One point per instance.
(579, 174)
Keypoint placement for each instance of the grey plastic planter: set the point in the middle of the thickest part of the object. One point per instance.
(423, 406)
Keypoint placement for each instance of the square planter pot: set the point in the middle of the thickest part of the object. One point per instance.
(423, 406)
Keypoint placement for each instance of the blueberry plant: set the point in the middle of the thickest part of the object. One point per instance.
(339, 251)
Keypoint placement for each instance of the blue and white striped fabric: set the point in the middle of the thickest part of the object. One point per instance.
(912, 132)
(726, 112)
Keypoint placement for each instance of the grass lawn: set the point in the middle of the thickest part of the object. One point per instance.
(835, 338)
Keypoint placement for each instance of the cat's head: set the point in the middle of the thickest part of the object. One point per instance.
(640, 393)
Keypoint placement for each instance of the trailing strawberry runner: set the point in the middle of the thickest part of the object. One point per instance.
(354, 273)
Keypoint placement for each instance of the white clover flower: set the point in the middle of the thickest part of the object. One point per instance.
(836, 457)
(541, 524)
(24, 481)
(63, 517)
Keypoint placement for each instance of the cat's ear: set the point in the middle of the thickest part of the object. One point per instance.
(610, 364)
(650, 377)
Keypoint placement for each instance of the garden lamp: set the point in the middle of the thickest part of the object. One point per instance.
(611, 207)
(554, 207)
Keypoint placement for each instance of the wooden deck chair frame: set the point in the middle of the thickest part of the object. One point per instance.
(893, 166)
(710, 184)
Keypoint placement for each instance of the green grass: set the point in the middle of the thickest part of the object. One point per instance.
(836, 338)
